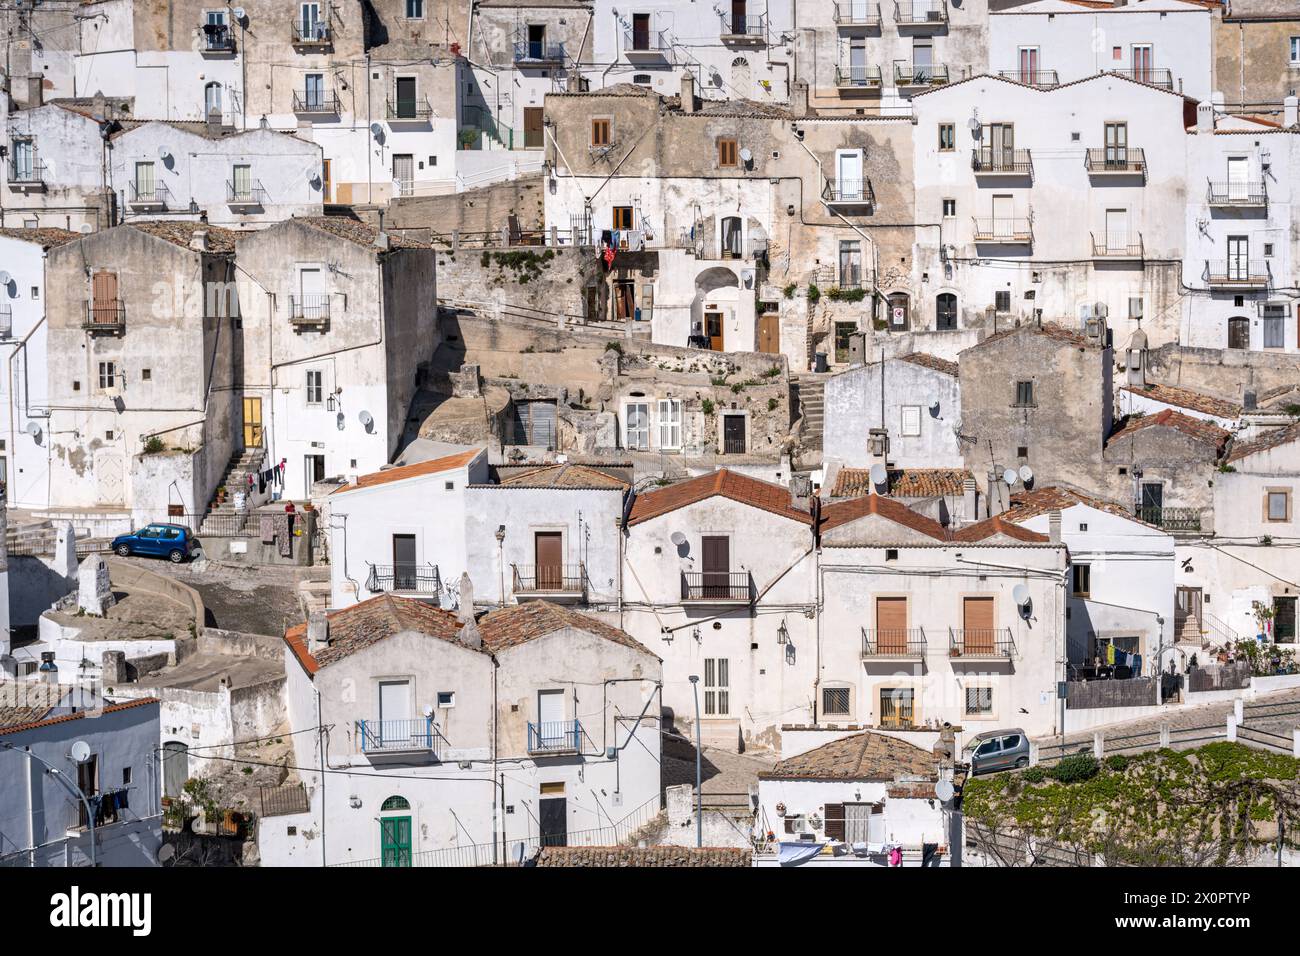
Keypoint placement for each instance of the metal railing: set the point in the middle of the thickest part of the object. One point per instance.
(1246, 193)
(849, 14)
(549, 578)
(893, 642)
(282, 801)
(416, 109)
(733, 446)
(849, 191)
(29, 172)
(1004, 230)
(6, 321)
(555, 736)
(716, 586)
(325, 102)
(312, 34)
(743, 24)
(1126, 159)
(309, 309)
(980, 642)
(1170, 519)
(105, 314)
(410, 578)
(1237, 272)
(217, 39)
(1151, 76)
(538, 51)
(987, 159)
(1043, 79)
(912, 74)
(867, 77)
(919, 12)
(653, 41)
(1112, 247)
(400, 736)
(152, 195)
(250, 195)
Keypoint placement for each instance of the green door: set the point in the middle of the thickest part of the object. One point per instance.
(395, 838)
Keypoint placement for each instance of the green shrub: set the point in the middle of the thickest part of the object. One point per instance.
(1076, 768)
(1117, 762)
(614, 347)
(814, 294)
(790, 290)
(154, 445)
(772, 404)
(707, 406)
(1036, 774)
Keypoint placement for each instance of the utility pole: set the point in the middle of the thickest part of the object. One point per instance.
(699, 789)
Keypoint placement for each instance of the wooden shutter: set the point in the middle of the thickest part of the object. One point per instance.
(891, 624)
(716, 554)
(834, 821)
(977, 619)
(550, 559)
(104, 295)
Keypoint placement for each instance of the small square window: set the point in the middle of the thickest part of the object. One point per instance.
(1268, 250)
(1123, 471)
(949, 208)
(1083, 526)
(1024, 393)
(1022, 451)
(947, 137)
(146, 375)
(835, 701)
(76, 386)
(911, 420)
(1238, 301)
(727, 152)
(891, 554)
(108, 435)
(449, 485)
(1081, 580)
(36, 292)
(433, 160)
(446, 698)
(1075, 137)
(126, 776)
(979, 701)
(600, 132)
(354, 463)
(1279, 506)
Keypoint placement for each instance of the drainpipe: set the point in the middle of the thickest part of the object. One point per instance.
(875, 254)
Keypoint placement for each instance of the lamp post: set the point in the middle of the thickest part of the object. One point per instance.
(75, 791)
(699, 789)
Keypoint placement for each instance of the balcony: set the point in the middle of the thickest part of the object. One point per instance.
(1237, 195)
(149, 197)
(414, 110)
(1039, 79)
(105, 315)
(860, 77)
(647, 46)
(1237, 273)
(988, 161)
(1175, 520)
(555, 581)
(6, 321)
(1118, 248)
(315, 103)
(920, 74)
(1152, 77)
(921, 14)
(404, 579)
(1018, 232)
(859, 16)
(848, 192)
(1116, 161)
(716, 587)
(893, 644)
(418, 736)
(555, 737)
(245, 195)
(981, 643)
(312, 36)
(309, 311)
(26, 171)
(744, 29)
(539, 52)
(216, 39)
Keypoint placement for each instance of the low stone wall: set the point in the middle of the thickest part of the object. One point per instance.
(134, 578)
(1227, 373)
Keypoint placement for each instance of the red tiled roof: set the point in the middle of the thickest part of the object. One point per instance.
(1030, 504)
(1278, 436)
(64, 718)
(724, 482)
(419, 469)
(362, 625)
(568, 475)
(926, 360)
(179, 233)
(521, 623)
(1186, 398)
(1048, 329)
(998, 525)
(1202, 431)
(356, 232)
(842, 512)
(903, 482)
(865, 756)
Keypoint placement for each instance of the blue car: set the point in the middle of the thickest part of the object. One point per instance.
(174, 542)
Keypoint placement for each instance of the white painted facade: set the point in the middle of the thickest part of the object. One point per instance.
(53, 173)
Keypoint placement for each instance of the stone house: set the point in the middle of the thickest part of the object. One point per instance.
(1256, 57)
(1165, 464)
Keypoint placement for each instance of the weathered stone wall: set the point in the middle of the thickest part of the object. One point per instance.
(1252, 65)
(474, 211)
(1228, 373)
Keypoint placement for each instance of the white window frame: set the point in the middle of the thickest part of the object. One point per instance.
(642, 431)
(318, 386)
(406, 7)
(906, 412)
(107, 376)
(965, 701)
(670, 423)
(1295, 51)
(717, 687)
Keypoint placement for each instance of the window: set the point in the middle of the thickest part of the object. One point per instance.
(1022, 451)
(979, 701)
(637, 430)
(727, 152)
(945, 312)
(896, 707)
(732, 237)
(850, 264)
(446, 698)
(949, 208)
(315, 386)
(1002, 301)
(911, 420)
(1295, 51)
(717, 684)
(891, 554)
(835, 701)
(1024, 393)
(1268, 250)
(415, 9)
(107, 376)
(622, 217)
(145, 186)
(670, 423)
(1081, 580)
(1278, 505)
(1135, 309)
(600, 132)
(947, 137)
(395, 803)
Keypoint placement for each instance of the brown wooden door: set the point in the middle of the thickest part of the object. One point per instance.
(977, 620)
(104, 297)
(713, 330)
(769, 333)
(533, 137)
(891, 625)
(640, 31)
(252, 423)
(549, 553)
(715, 562)
(325, 182)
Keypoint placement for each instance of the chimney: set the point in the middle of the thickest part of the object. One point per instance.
(49, 670)
(945, 747)
(688, 92)
(970, 499)
(1249, 401)
(35, 91)
(1054, 526)
(465, 612)
(469, 634)
(799, 98)
(199, 240)
(1291, 112)
(801, 492)
(318, 632)
(1205, 117)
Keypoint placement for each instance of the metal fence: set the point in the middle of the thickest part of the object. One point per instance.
(715, 585)
(282, 801)
(404, 577)
(980, 642)
(554, 736)
(893, 642)
(400, 736)
(1090, 695)
(549, 578)
(1234, 676)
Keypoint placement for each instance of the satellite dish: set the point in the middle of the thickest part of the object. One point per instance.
(163, 152)
(934, 406)
(611, 753)
(365, 418)
(80, 751)
(428, 710)
(238, 12)
(1020, 594)
(973, 124)
(677, 538)
(745, 154)
(520, 852)
(34, 429)
(944, 790)
(1026, 474)
(879, 475)
(1009, 476)
(165, 853)
(85, 229)
(5, 278)
(377, 132)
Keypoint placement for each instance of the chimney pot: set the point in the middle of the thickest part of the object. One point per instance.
(1054, 526)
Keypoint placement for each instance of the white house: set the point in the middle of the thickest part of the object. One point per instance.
(53, 173)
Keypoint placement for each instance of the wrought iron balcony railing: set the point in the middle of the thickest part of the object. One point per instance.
(550, 578)
(404, 578)
(1117, 247)
(155, 195)
(750, 26)
(1008, 230)
(1237, 272)
(417, 735)
(6, 321)
(309, 309)
(554, 736)
(320, 102)
(216, 38)
(893, 642)
(417, 108)
(851, 14)
(312, 34)
(107, 315)
(985, 642)
(649, 43)
(848, 192)
(921, 13)
(1043, 79)
(861, 76)
(1149, 75)
(25, 170)
(1252, 193)
(719, 586)
(920, 74)
(1001, 162)
(538, 51)
(1116, 159)
(1170, 519)
(245, 194)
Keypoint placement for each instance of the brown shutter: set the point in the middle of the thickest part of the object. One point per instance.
(549, 549)
(977, 619)
(104, 296)
(834, 813)
(891, 624)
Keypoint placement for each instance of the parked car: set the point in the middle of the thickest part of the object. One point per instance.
(998, 750)
(175, 542)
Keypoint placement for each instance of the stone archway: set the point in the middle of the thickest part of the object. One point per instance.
(717, 292)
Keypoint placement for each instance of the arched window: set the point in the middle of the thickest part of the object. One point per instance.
(395, 803)
(1239, 332)
(945, 311)
(212, 100)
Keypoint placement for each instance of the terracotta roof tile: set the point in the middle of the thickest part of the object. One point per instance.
(1202, 431)
(1030, 504)
(521, 623)
(839, 513)
(418, 470)
(728, 484)
(1272, 439)
(181, 233)
(64, 718)
(651, 856)
(568, 475)
(865, 756)
(357, 232)
(362, 625)
(903, 482)
(46, 237)
(1048, 330)
(1186, 398)
(927, 360)
(998, 525)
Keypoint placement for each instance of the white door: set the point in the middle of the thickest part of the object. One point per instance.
(849, 185)
(1238, 179)
(394, 701)
(1116, 229)
(1003, 215)
(550, 707)
(312, 300)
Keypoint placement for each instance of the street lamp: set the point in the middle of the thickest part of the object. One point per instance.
(699, 789)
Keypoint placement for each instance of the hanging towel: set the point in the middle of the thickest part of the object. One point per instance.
(895, 857)
(1110, 653)
(267, 527)
(792, 854)
(283, 537)
(928, 852)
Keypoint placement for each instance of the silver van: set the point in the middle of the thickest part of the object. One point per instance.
(998, 750)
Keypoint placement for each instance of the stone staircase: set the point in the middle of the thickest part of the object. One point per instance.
(222, 517)
(811, 391)
(31, 538)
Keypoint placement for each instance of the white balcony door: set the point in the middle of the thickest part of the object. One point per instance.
(1238, 177)
(404, 173)
(310, 19)
(858, 11)
(858, 61)
(24, 160)
(550, 710)
(1117, 229)
(849, 185)
(394, 702)
(1238, 257)
(1004, 209)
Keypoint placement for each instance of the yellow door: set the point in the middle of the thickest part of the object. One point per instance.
(252, 422)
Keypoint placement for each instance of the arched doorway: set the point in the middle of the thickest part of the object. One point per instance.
(740, 78)
(1239, 332)
(176, 767)
(717, 292)
(945, 312)
(212, 101)
(395, 832)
